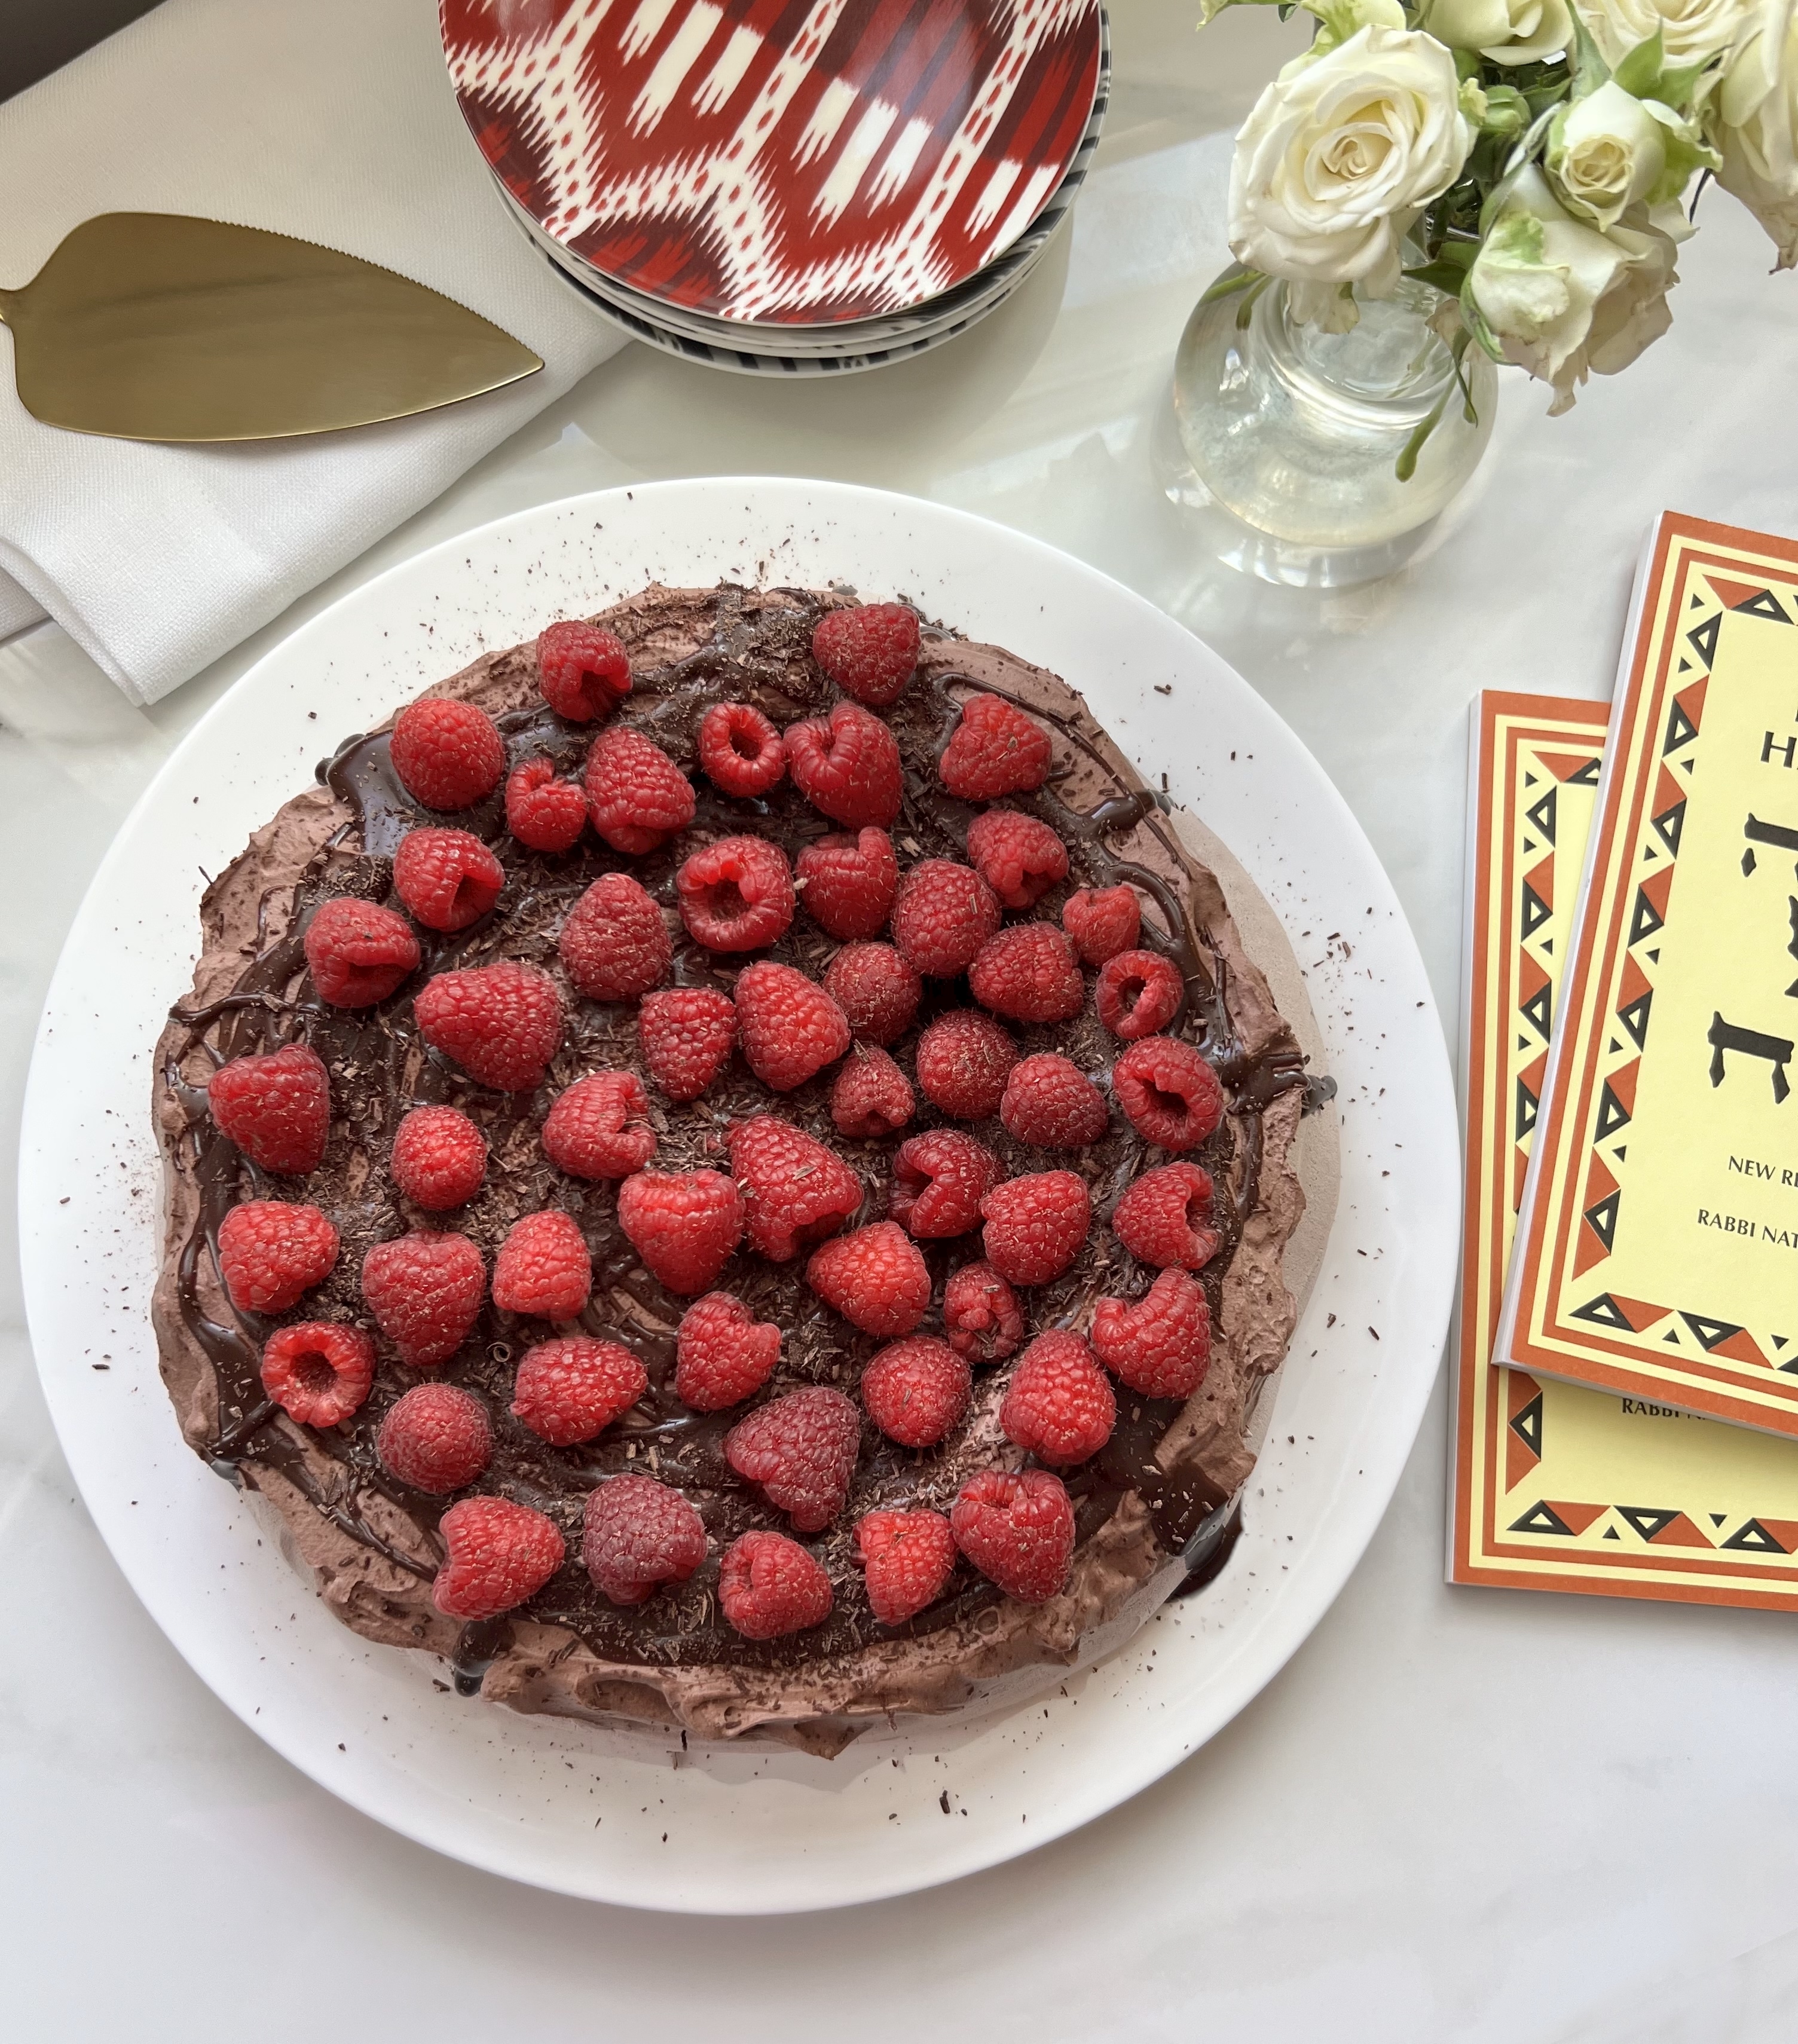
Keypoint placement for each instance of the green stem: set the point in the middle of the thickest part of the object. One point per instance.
(1245, 309)
(1228, 283)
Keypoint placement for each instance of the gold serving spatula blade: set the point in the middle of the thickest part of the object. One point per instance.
(157, 326)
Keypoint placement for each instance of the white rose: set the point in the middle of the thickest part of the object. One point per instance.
(1691, 31)
(1605, 151)
(1755, 122)
(1504, 32)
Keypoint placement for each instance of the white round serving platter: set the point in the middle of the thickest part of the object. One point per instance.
(634, 1820)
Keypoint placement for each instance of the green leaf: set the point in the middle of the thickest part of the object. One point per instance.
(1640, 71)
(1590, 69)
(1677, 84)
(1475, 321)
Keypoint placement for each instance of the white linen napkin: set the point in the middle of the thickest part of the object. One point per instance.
(330, 119)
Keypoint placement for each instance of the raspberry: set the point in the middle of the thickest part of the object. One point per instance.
(638, 1534)
(877, 990)
(1018, 1530)
(424, 1289)
(943, 915)
(1059, 1404)
(722, 1354)
(497, 1555)
(438, 1438)
(938, 1180)
(962, 1062)
(801, 1450)
(1160, 1345)
(568, 1390)
(789, 1028)
(739, 751)
(846, 766)
(1138, 992)
(358, 952)
(795, 1191)
(597, 1128)
(448, 755)
(870, 1096)
(916, 1390)
(636, 795)
(275, 1105)
(1169, 1092)
(271, 1251)
(996, 750)
(849, 882)
(981, 1314)
(1035, 1225)
(736, 895)
(1030, 973)
(1051, 1104)
(1102, 921)
(584, 672)
(685, 1036)
(684, 1225)
(447, 878)
(502, 1023)
(440, 1159)
(869, 650)
(543, 1267)
(909, 1557)
(1165, 1218)
(874, 1277)
(543, 812)
(768, 1585)
(318, 1371)
(1019, 858)
(615, 945)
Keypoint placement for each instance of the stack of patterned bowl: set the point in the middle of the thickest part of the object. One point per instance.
(785, 187)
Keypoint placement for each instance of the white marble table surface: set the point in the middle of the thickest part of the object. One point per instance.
(1462, 1814)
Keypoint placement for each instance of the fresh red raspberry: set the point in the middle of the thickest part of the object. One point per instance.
(502, 1023)
(358, 952)
(1018, 1530)
(440, 1159)
(768, 1585)
(962, 1062)
(1051, 1104)
(795, 1190)
(543, 1267)
(997, 751)
(636, 796)
(736, 895)
(981, 1314)
(272, 1251)
(1169, 1092)
(723, 1354)
(739, 751)
(1137, 993)
(637, 1534)
(846, 766)
(438, 1438)
(317, 1371)
(684, 1225)
(1102, 921)
(869, 650)
(598, 1128)
(567, 1390)
(447, 878)
(497, 1555)
(916, 1390)
(940, 1179)
(789, 1026)
(543, 811)
(275, 1105)
(1059, 1404)
(685, 1036)
(848, 883)
(874, 1277)
(615, 945)
(1029, 972)
(871, 1097)
(1159, 1344)
(909, 1557)
(1165, 1218)
(800, 1450)
(583, 671)
(1019, 858)
(448, 755)
(943, 913)
(425, 1290)
(878, 991)
(1035, 1225)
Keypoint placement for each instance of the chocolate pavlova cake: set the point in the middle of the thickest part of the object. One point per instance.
(729, 1170)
